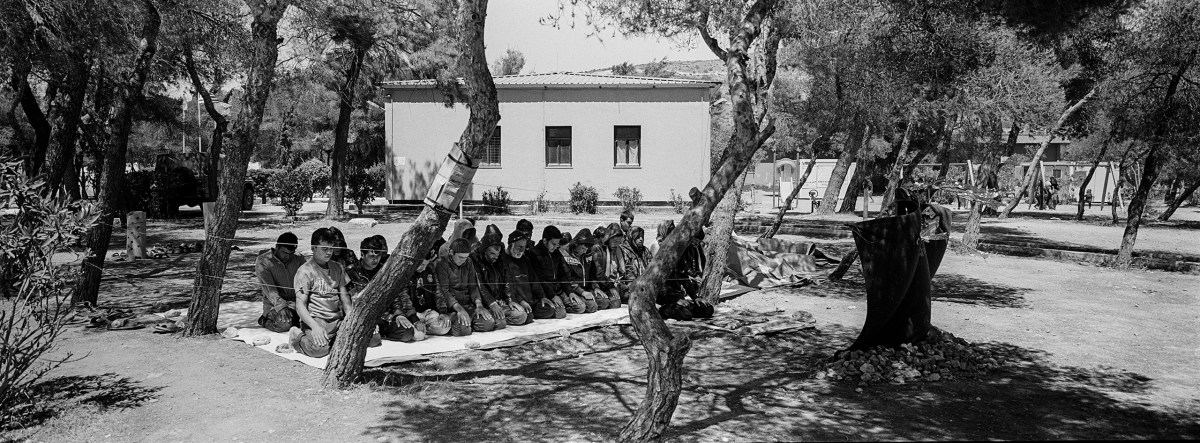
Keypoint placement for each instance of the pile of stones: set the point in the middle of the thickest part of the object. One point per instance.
(941, 356)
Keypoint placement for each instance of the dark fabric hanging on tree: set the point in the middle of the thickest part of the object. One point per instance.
(900, 255)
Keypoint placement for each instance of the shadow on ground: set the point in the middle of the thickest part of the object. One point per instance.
(956, 288)
(758, 388)
(64, 395)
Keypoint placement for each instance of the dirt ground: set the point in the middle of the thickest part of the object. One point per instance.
(1094, 354)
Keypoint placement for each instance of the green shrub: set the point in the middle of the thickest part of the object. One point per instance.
(34, 292)
(293, 187)
(138, 193)
(496, 202)
(364, 185)
(678, 202)
(540, 205)
(631, 198)
(318, 174)
(583, 199)
(261, 178)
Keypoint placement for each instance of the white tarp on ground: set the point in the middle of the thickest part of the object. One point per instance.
(244, 315)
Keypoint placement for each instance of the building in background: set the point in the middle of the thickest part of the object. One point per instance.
(555, 130)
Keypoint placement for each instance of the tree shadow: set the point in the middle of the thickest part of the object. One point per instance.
(61, 395)
(957, 288)
(763, 388)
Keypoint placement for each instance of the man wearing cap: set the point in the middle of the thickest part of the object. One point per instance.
(545, 275)
(608, 266)
(458, 285)
(493, 284)
(574, 287)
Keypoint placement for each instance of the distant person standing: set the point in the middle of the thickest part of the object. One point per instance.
(1088, 197)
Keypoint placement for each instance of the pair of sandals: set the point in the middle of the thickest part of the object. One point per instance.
(113, 320)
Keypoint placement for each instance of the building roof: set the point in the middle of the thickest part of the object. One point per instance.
(568, 80)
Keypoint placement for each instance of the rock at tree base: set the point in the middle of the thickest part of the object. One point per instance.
(370, 223)
(941, 356)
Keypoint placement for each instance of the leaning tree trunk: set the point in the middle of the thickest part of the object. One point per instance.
(41, 130)
(61, 156)
(858, 183)
(130, 96)
(787, 202)
(216, 144)
(1137, 208)
(665, 348)
(1185, 194)
(350, 349)
(1088, 179)
(893, 179)
(210, 272)
(717, 240)
(1027, 183)
(838, 177)
(341, 137)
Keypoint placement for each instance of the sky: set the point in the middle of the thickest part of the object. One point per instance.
(514, 24)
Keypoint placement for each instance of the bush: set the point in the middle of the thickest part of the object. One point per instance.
(496, 202)
(679, 203)
(631, 198)
(318, 174)
(583, 199)
(365, 184)
(261, 178)
(138, 193)
(540, 205)
(293, 187)
(34, 307)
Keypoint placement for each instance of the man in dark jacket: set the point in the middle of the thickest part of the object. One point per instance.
(545, 274)
(684, 283)
(574, 286)
(518, 270)
(608, 268)
(458, 285)
(493, 283)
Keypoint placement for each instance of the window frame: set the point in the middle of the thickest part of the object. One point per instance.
(555, 143)
(617, 139)
(499, 146)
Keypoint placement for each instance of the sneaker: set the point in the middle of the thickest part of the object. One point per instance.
(376, 340)
(294, 335)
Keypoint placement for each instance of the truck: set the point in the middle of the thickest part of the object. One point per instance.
(188, 182)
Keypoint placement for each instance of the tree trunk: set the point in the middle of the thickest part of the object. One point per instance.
(1116, 196)
(985, 182)
(1027, 183)
(858, 183)
(1172, 189)
(716, 241)
(60, 159)
(350, 349)
(843, 266)
(341, 137)
(1178, 201)
(217, 142)
(889, 194)
(210, 272)
(41, 130)
(838, 177)
(664, 349)
(130, 95)
(1088, 179)
(787, 203)
(1137, 208)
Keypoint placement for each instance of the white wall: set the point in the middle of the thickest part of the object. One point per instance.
(675, 144)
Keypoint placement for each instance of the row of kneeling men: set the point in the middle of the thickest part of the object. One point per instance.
(469, 284)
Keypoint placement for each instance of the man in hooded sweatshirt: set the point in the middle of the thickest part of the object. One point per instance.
(545, 275)
(637, 259)
(518, 269)
(458, 285)
(428, 308)
(493, 283)
(574, 286)
(460, 228)
(608, 267)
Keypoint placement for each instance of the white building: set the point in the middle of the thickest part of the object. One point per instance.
(555, 130)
